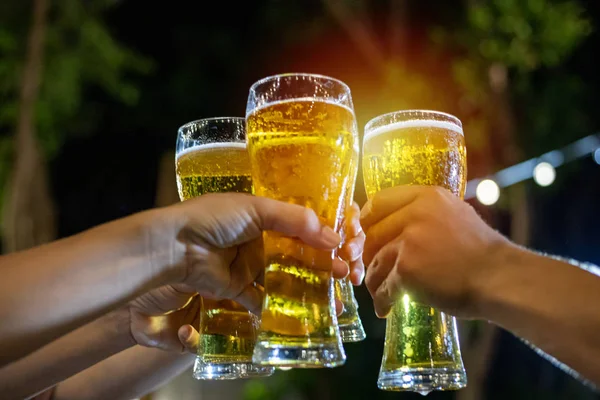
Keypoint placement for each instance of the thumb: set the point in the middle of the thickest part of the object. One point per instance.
(189, 338)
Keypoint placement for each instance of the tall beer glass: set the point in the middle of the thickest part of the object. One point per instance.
(421, 351)
(211, 157)
(301, 130)
(351, 328)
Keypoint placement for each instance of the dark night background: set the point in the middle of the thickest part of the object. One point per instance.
(204, 57)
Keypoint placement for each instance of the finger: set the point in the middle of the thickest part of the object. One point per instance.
(339, 307)
(251, 298)
(386, 231)
(357, 272)
(387, 294)
(183, 288)
(164, 300)
(352, 248)
(351, 251)
(352, 219)
(189, 338)
(378, 270)
(295, 221)
(388, 201)
(340, 268)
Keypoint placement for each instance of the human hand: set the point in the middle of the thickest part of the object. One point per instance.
(428, 241)
(217, 248)
(156, 317)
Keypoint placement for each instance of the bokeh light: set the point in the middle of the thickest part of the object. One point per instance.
(544, 174)
(487, 192)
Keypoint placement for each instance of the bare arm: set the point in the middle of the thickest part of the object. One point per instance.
(152, 320)
(50, 290)
(65, 284)
(130, 374)
(66, 356)
(430, 242)
(550, 303)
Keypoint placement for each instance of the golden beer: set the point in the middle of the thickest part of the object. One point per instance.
(415, 153)
(213, 168)
(421, 351)
(227, 330)
(300, 151)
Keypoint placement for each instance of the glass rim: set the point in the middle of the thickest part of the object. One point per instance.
(304, 74)
(209, 119)
(452, 118)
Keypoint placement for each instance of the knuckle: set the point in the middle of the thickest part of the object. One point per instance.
(411, 239)
(371, 275)
(361, 237)
(308, 214)
(438, 191)
(389, 254)
(376, 202)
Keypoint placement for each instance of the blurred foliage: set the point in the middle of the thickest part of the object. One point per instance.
(80, 54)
(526, 34)
(533, 39)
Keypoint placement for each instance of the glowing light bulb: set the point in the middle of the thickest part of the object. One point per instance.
(487, 192)
(544, 174)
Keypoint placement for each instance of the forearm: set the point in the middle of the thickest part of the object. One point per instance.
(68, 283)
(129, 374)
(549, 303)
(66, 356)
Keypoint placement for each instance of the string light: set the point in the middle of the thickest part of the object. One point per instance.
(542, 169)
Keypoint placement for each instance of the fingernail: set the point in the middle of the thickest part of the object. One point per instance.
(187, 332)
(358, 277)
(331, 238)
(381, 312)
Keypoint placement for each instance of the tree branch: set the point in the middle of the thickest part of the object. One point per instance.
(28, 209)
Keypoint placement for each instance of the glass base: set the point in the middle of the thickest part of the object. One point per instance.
(228, 371)
(312, 356)
(353, 332)
(422, 380)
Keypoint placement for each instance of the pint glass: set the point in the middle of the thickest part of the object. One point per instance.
(421, 351)
(300, 133)
(211, 157)
(351, 328)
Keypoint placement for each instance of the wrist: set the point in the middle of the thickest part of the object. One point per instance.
(164, 252)
(493, 282)
(117, 326)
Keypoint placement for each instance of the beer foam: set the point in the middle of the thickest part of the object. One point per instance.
(210, 146)
(413, 123)
(300, 99)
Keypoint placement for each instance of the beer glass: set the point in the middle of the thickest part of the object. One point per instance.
(300, 132)
(351, 328)
(421, 351)
(211, 157)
